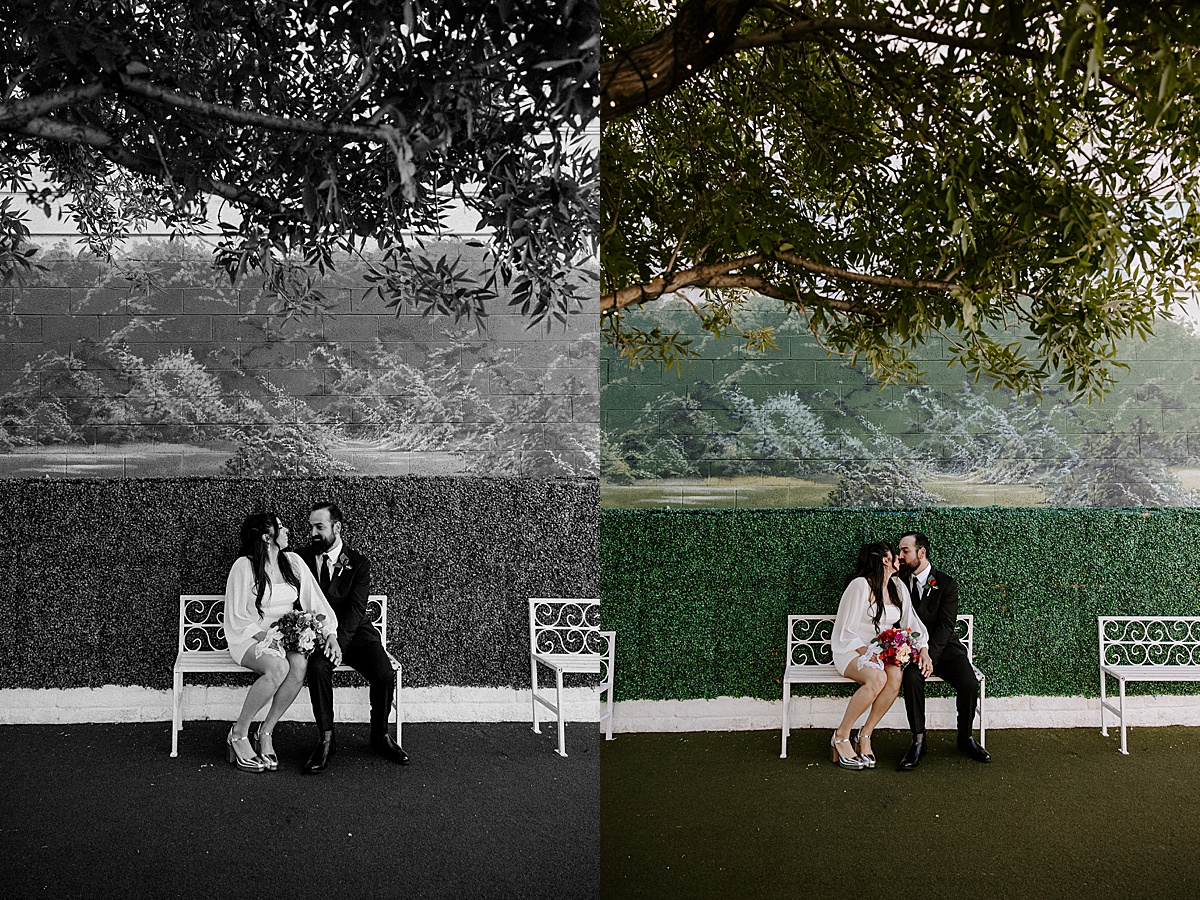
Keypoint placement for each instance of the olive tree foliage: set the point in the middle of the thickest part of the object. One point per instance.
(330, 127)
(895, 170)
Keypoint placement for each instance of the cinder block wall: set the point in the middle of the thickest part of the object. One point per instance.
(818, 416)
(158, 366)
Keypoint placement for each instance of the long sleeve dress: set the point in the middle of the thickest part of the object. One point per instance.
(242, 621)
(853, 628)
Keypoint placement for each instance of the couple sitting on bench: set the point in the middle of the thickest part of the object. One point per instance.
(327, 585)
(895, 627)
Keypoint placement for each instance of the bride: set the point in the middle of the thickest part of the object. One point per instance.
(874, 600)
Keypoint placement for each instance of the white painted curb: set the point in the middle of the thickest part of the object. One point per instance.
(749, 714)
(113, 703)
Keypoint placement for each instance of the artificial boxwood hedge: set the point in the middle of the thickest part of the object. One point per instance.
(92, 569)
(700, 598)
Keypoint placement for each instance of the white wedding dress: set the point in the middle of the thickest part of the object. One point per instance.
(853, 627)
(242, 620)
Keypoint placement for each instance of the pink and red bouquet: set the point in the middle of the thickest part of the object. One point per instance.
(299, 631)
(897, 647)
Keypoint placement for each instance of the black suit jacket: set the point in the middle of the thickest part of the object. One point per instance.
(938, 611)
(349, 589)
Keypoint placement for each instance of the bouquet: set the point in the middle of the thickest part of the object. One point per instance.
(895, 647)
(298, 631)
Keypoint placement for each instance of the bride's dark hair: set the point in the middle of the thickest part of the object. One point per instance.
(254, 548)
(870, 567)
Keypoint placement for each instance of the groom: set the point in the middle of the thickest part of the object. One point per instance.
(935, 597)
(345, 577)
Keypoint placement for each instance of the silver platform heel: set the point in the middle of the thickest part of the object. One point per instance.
(846, 762)
(867, 758)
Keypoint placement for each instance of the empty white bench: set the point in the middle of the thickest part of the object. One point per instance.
(202, 648)
(810, 661)
(565, 636)
(1145, 648)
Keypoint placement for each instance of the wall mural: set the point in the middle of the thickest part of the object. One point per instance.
(153, 364)
(797, 427)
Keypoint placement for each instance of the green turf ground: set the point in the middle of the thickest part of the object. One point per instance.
(1057, 814)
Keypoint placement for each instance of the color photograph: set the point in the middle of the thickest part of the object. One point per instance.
(898, 447)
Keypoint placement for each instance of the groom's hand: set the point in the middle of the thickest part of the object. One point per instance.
(925, 662)
(333, 650)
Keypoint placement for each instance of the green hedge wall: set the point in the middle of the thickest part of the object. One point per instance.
(92, 569)
(700, 598)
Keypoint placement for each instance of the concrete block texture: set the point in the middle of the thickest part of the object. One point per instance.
(154, 342)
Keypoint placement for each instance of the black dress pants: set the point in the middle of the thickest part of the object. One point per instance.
(367, 658)
(955, 671)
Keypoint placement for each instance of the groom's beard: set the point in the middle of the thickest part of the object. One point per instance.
(321, 545)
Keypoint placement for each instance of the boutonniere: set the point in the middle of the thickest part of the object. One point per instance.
(930, 583)
(342, 565)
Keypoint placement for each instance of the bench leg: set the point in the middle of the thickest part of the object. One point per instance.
(176, 712)
(787, 695)
(608, 711)
(533, 693)
(1103, 700)
(400, 717)
(562, 735)
(982, 721)
(1124, 748)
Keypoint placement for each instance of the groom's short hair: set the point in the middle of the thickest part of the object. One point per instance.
(335, 514)
(919, 539)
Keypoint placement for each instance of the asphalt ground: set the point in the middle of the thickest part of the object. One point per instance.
(1056, 814)
(483, 811)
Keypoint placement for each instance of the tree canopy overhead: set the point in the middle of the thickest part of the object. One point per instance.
(896, 170)
(330, 126)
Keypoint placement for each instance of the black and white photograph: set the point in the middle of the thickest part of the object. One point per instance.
(299, 444)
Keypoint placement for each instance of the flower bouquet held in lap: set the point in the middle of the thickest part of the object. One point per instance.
(296, 632)
(894, 647)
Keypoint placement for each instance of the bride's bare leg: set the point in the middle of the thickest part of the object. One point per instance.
(288, 690)
(883, 702)
(272, 672)
(873, 681)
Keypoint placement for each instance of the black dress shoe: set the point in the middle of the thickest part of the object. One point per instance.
(319, 760)
(974, 749)
(916, 750)
(385, 745)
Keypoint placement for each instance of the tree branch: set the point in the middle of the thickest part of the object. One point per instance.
(705, 31)
(17, 112)
(878, 280)
(717, 275)
(699, 36)
(805, 28)
(143, 88)
(638, 294)
(111, 149)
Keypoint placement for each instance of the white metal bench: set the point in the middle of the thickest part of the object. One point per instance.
(203, 649)
(810, 661)
(565, 636)
(1145, 648)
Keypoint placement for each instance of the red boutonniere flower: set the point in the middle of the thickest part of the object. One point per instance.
(342, 565)
(931, 583)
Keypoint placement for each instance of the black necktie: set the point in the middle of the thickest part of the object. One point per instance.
(916, 591)
(324, 574)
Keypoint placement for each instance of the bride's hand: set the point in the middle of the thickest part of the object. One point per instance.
(271, 646)
(869, 661)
